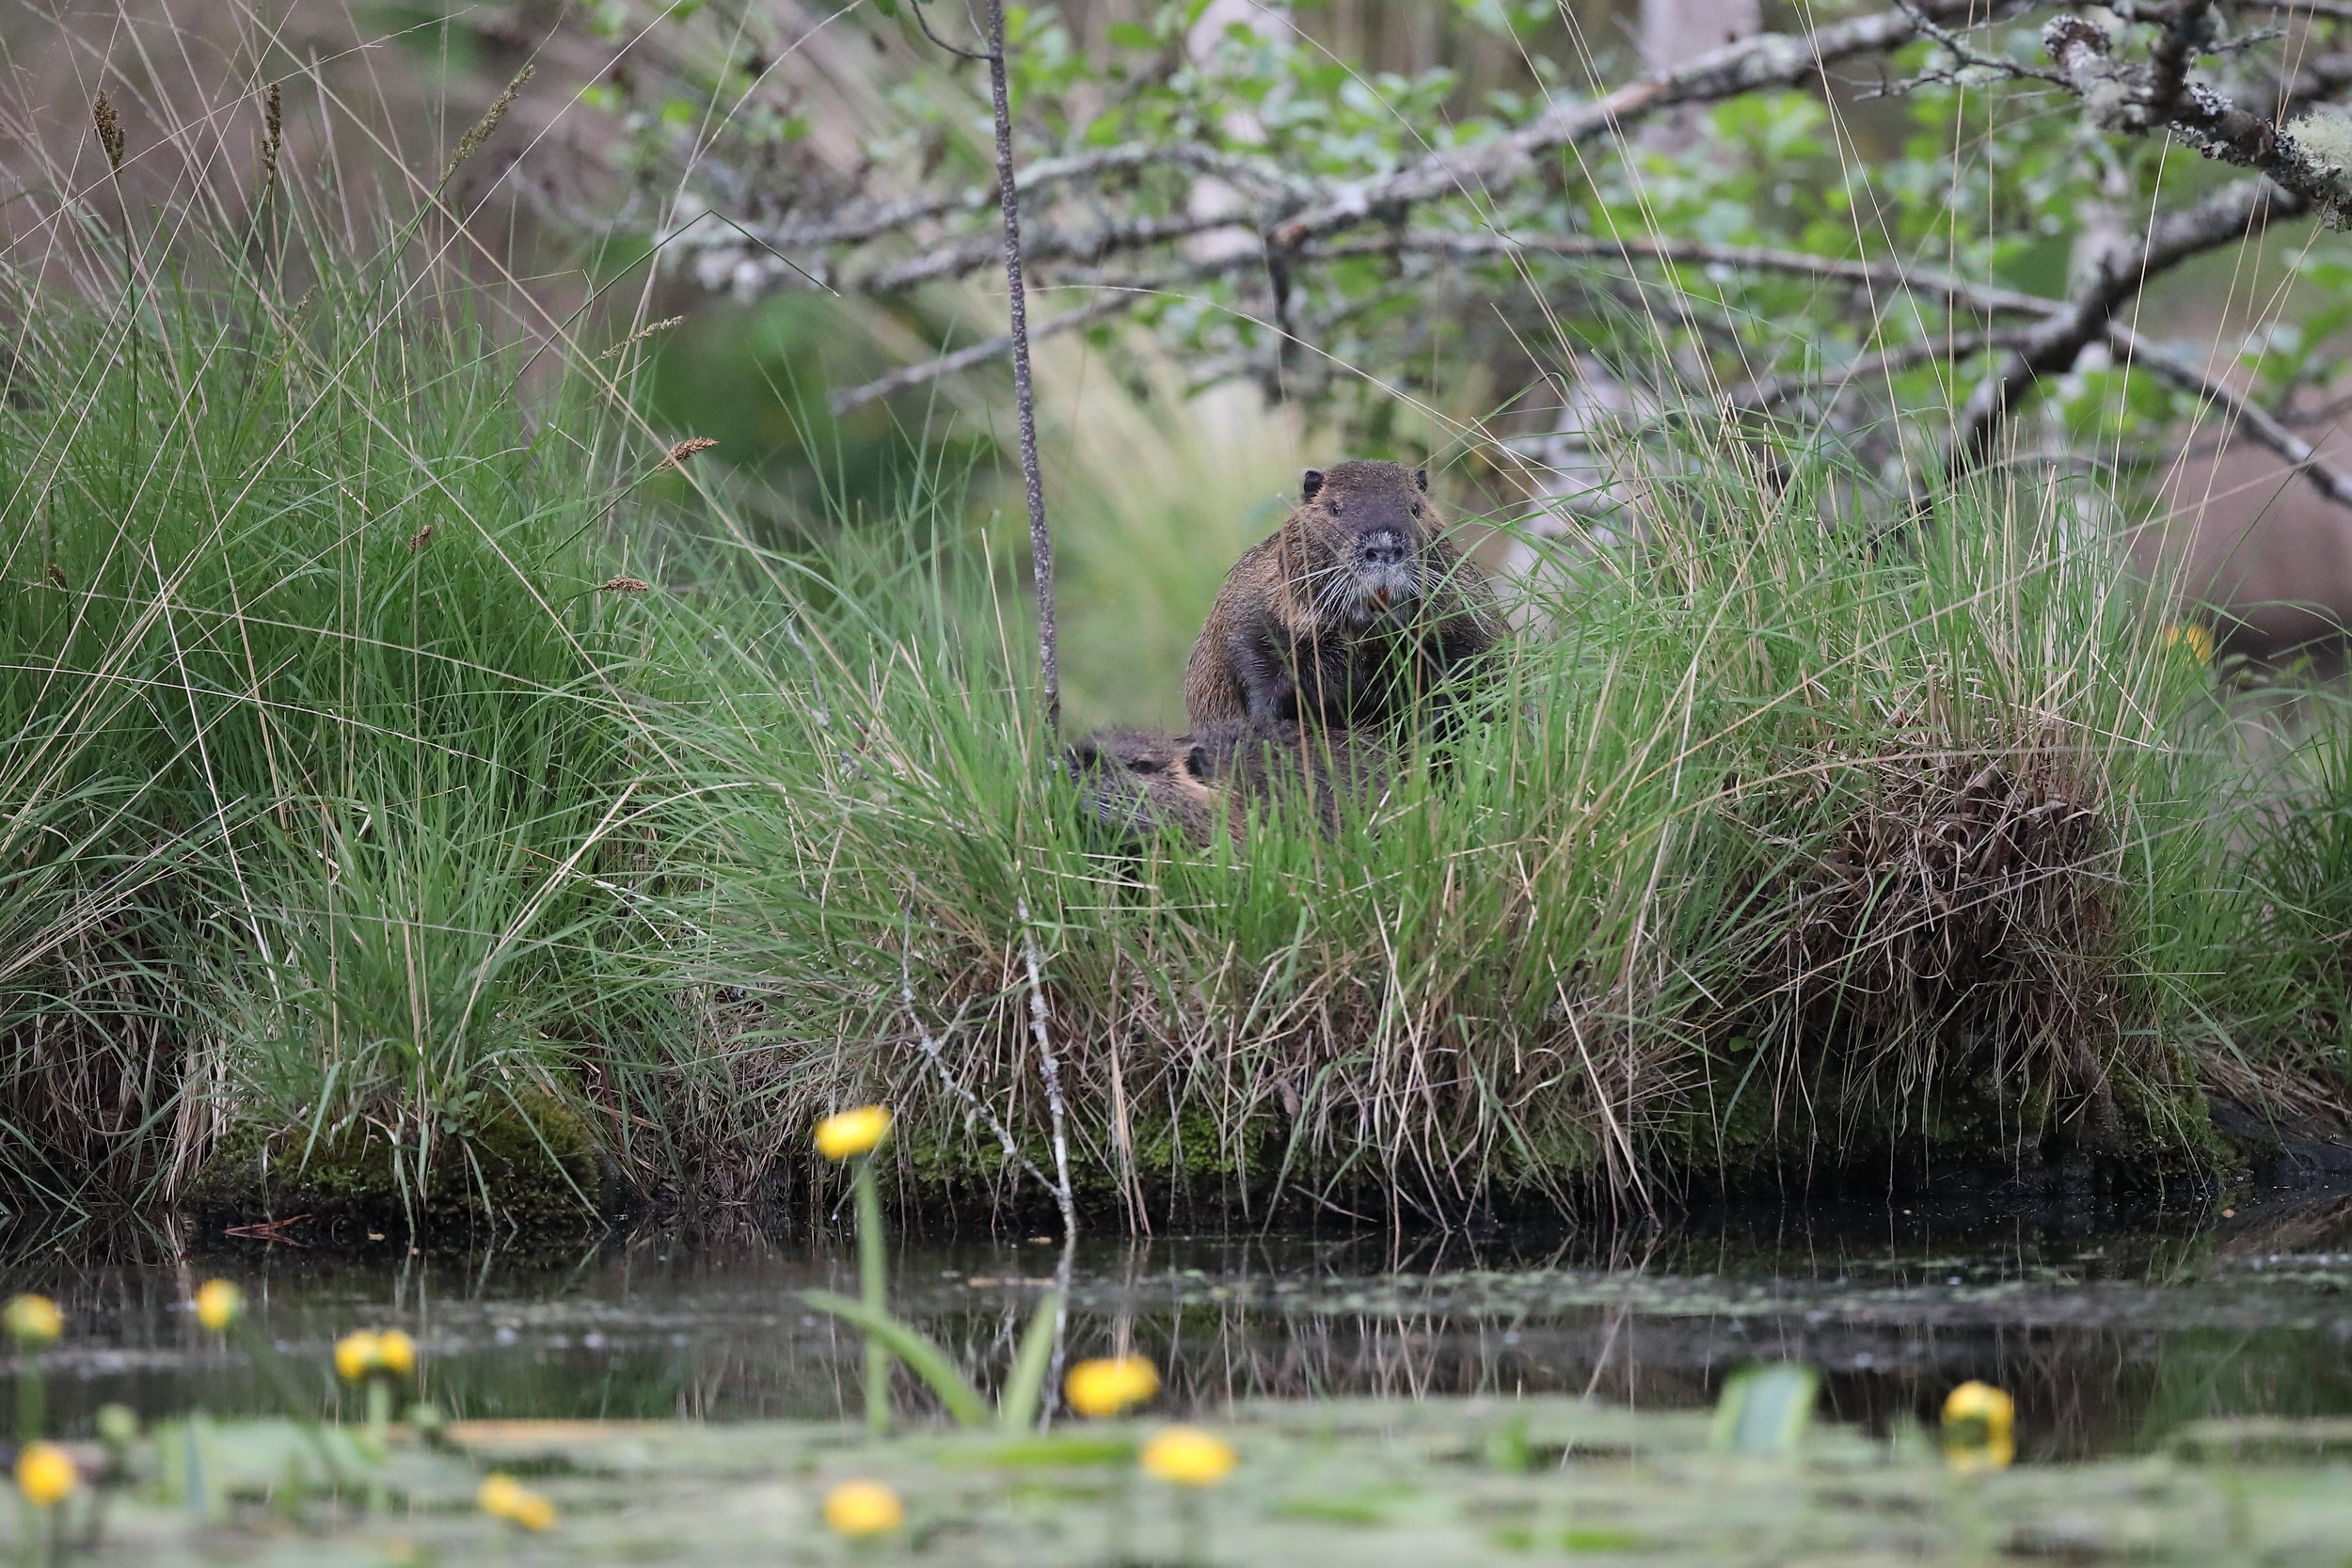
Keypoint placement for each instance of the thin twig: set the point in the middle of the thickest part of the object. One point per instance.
(1025, 401)
(1050, 1069)
(932, 1053)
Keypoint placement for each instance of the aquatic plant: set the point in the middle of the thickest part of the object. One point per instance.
(863, 1509)
(1979, 1423)
(853, 1136)
(502, 1496)
(1190, 1461)
(1187, 1456)
(1110, 1387)
(378, 1361)
(34, 1323)
(218, 1304)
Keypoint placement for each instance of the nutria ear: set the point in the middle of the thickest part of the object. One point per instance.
(1197, 760)
(1421, 480)
(1313, 483)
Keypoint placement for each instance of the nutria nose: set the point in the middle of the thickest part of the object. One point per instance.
(1385, 548)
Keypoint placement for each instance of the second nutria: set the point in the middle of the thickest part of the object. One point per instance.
(1353, 611)
(1138, 781)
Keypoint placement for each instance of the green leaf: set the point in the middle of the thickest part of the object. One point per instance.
(1765, 1410)
(1016, 1407)
(1131, 35)
(924, 1358)
(889, 7)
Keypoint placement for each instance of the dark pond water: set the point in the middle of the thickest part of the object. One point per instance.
(2110, 1329)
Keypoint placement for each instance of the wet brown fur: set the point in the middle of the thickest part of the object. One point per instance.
(1139, 781)
(1292, 635)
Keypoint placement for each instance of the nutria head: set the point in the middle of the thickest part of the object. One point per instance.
(1375, 522)
(1136, 781)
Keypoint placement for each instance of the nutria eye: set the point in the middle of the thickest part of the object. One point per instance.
(1142, 765)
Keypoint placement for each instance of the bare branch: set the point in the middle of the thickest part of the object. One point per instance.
(1775, 391)
(2224, 217)
(857, 227)
(1768, 60)
(985, 350)
(1085, 246)
(2335, 10)
(1892, 277)
(932, 1053)
(2248, 416)
(1888, 276)
(1049, 1066)
(1025, 413)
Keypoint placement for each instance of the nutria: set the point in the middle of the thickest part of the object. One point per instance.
(1138, 781)
(1351, 611)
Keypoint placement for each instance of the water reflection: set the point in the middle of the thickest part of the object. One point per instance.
(2110, 1330)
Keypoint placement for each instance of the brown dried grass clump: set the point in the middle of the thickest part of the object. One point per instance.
(1941, 955)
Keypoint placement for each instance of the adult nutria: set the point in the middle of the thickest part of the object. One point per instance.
(1138, 781)
(1348, 614)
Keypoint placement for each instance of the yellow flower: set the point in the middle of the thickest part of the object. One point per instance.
(355, 1355)
(45, 1473)
(395, 1352)
(218, 1303)
(1108, 1388)
(502, 1496)
(1187, 1456)
(33, 1321)
(363, 1352)
(858, 1509)
(2189, 634)
(851, 1133)
(1979, 1423)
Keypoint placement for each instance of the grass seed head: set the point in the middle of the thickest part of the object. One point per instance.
(273, 132)
(470, 143)
(101, 114)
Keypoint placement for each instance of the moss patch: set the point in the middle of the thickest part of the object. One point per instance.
(529, 1164)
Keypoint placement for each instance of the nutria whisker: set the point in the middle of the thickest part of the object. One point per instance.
(1293, 634)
